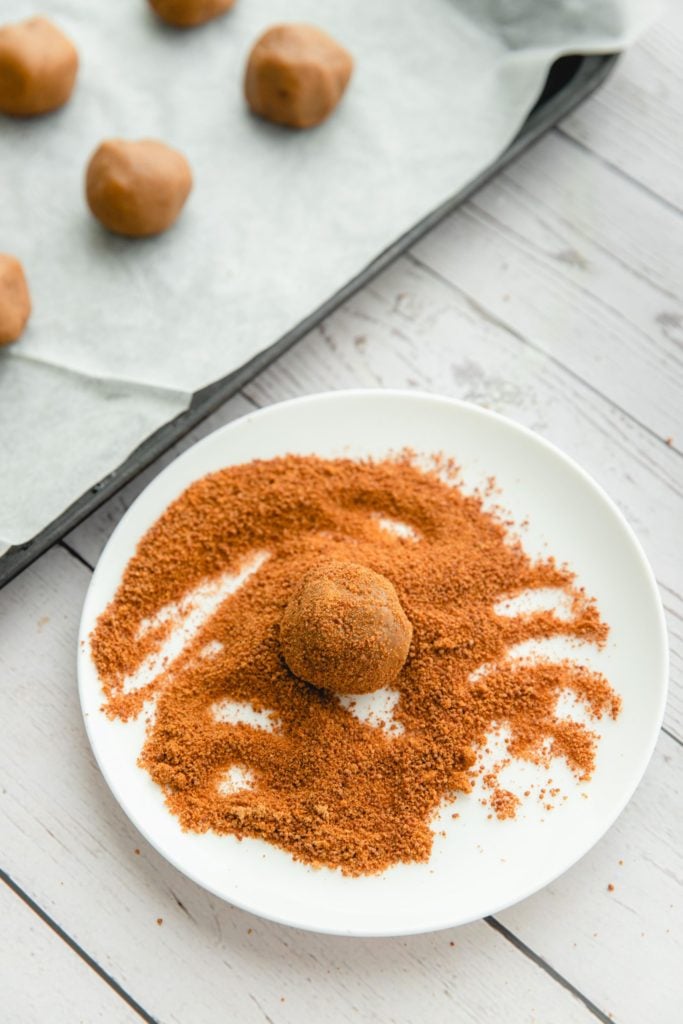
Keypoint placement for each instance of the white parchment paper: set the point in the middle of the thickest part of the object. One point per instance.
(123, 331)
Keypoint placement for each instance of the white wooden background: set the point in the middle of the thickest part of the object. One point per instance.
(550, 297)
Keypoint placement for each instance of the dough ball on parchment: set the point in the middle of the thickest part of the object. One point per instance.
(296, 75)
(188, 13)
(137, 188)
(15, 301)
(38, 66)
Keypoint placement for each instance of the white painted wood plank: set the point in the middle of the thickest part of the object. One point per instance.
(562, 197)
(586, 266)
(410, 330)
(41, 979)
(91, 535)
(634, 120)
(70, 847)
(604, 938)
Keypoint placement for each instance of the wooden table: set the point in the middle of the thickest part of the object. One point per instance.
(550, 297)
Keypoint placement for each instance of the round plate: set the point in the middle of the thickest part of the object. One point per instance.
(480, 865)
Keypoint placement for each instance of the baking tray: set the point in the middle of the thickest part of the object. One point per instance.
(570, 80)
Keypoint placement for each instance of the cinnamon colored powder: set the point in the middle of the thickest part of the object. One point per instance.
(327, 787)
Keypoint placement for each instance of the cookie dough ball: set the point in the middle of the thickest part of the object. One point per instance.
(137, 188)
(188, 13)
(344, 629)
(38, 66)
(296, 75)
(15, 301)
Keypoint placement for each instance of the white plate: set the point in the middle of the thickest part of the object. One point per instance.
(481, 865)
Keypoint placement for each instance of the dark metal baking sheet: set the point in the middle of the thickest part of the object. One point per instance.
(570, 80)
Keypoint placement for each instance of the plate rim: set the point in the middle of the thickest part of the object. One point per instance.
(372, 394)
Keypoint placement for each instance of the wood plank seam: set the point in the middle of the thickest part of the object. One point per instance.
(502, 930)
(675, 595)
(479, 215)
(545, 966)
(571, 225)
(494, 319)
(619, 170)
(672, 736)
(76, 948)
(75, 554)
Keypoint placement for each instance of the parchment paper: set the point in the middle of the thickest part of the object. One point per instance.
(122, 331)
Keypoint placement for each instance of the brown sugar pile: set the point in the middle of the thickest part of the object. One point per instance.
(327, 787)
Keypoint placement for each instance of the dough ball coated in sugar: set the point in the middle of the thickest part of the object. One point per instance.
(296, 75)
(38, 66)
(344, 629)
(15, 301)
(137, 188)
(188, 13)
